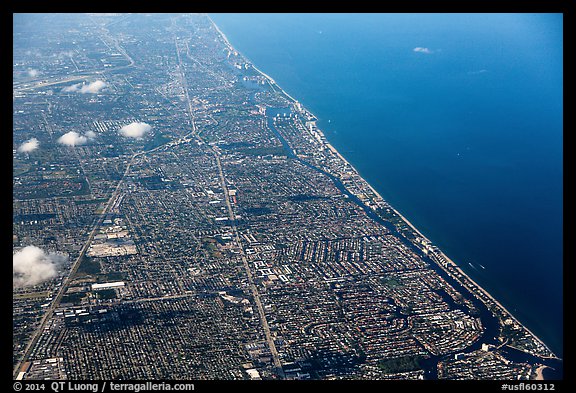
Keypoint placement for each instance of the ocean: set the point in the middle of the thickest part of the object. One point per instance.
(456, 120)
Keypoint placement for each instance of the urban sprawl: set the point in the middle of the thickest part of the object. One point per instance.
(187, 219)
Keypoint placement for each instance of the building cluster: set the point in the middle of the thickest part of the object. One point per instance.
(482, 365)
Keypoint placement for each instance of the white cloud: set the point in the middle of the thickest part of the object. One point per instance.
(28, 146)
(33, 73)
(420, 49)
(32, 265)
(135, 130)
(90, 135)
(93, 87)
(72, 88)
(72, 138)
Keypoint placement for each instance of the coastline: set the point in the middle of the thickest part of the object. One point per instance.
(467, 279)
(539, 372)
(230, 47)
(450, 261)
(442, 254)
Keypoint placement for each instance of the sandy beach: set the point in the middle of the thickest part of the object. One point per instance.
(539, 375)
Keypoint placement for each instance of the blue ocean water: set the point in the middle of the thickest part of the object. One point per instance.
(456, 119)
